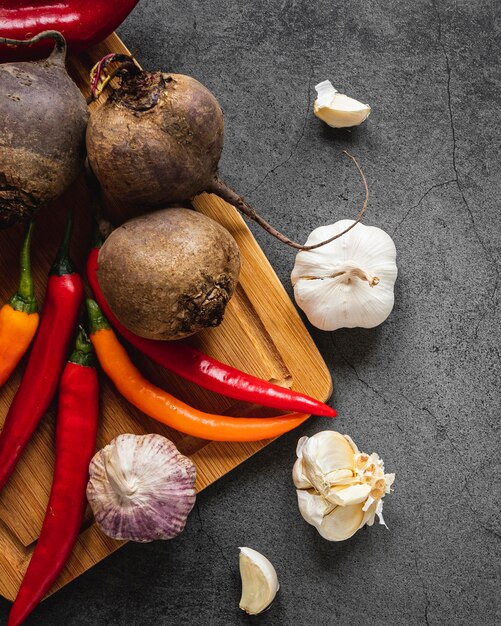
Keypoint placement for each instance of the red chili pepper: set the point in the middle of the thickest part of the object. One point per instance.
(82, 22)
(46, 361)
(190, 363)
(76, 429)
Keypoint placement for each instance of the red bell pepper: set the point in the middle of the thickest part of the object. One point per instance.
(82, 22)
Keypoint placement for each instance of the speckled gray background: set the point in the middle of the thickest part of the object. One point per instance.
(422, 389)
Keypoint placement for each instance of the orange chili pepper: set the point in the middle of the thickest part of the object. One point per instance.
(167, 409)
(19, 318)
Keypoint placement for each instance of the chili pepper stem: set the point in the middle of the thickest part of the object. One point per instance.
(62, 264)
(24, 299)
(97, 321)
(83, 353)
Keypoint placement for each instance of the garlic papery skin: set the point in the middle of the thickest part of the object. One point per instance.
(259, 581)
(349, 282)
(336, 109)
(141, 488)
(339, 488)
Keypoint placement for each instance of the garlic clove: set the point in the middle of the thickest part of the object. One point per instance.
(342, 523)
(300, 445)
(298, 477)
(336, 109)
(323, 453)
(141, 488)
(313, 507)
(259, 581)
(341, 477)
(352, 444)
(334, 523)
(345, 495)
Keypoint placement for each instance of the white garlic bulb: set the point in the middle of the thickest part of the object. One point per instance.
(339, 488)
(141, 488)
(336, 109)
(259, 581)
(348, 282)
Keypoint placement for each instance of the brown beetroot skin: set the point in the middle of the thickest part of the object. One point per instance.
(168, 274)
(175, 154)
(43, 117)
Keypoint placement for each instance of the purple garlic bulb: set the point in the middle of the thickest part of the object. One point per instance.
(141, 488)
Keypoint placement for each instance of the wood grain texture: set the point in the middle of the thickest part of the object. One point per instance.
(261, 334)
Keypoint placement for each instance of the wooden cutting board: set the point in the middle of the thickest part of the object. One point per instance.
(262, 334)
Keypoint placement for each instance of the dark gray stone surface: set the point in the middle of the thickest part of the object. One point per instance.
(422, 389)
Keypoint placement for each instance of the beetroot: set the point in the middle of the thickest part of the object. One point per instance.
(43, 117)
(156, 140)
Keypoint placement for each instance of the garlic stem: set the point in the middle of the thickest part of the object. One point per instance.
(348, 273)
(116, 477)
(356, 272)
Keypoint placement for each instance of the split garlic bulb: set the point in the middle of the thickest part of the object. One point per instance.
(336, 109)
(339, 488)
(141, 488)
(348, 282)
(259, 581)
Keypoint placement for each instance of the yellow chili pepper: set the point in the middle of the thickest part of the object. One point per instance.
(19, 318)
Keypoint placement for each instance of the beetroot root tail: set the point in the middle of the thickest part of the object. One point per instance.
(221, 189)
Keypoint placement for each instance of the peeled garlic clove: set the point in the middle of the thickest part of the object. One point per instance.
(336, 109)
(141, 488)
(259, 581)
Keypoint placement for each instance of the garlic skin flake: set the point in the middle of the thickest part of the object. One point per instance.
(259, 581)
(349, 282)
(339, 488)
(141, 488)
(336, 109)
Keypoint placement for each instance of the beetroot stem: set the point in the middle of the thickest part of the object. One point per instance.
(221, 189)
(100, 78)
